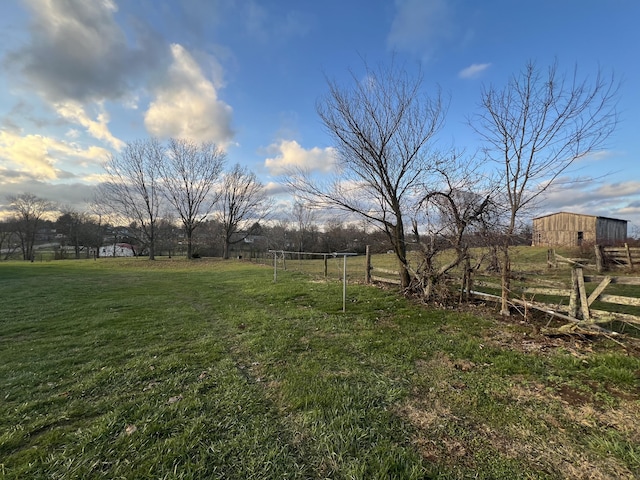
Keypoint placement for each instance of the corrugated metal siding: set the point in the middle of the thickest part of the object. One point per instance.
(610, 231)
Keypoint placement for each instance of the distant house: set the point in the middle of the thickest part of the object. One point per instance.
(566, 229)
(117, 250)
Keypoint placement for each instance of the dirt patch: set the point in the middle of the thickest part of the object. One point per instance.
(575, 397)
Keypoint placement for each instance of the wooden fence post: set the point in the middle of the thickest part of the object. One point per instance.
(599, 258)
(573, 297)
(367, 273)
(629, 260)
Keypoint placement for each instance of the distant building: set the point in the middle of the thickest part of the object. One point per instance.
(117, 250)
(565, 229)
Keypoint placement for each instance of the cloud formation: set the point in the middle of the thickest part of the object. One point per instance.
(74, 195)
(288, 154)
(473, 70)
(77, 51)
(38, 157)
(594, 198)
(186, 104)
(75, 113)
(76, 57)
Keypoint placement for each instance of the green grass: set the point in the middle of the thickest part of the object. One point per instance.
(207, 369)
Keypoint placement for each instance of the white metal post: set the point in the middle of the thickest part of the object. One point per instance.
(344, 284)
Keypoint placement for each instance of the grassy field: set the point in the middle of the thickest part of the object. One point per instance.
(208, 369)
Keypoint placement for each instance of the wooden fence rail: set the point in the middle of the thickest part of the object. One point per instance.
(626, 256)
(578, 305)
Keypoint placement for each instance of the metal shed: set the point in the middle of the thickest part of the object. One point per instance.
(566, 229)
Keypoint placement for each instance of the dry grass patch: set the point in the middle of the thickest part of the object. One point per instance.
(551, 432)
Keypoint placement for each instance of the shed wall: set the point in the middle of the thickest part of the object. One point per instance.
(561, 229)
(572, 229)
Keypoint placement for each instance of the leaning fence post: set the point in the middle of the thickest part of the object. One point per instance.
(584, 304)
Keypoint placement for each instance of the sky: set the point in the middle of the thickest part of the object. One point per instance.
(79, 79)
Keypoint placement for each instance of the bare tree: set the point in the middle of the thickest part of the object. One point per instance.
(82, 230)
(454, 206)
(381, 127)
(29, 211)
(8, 238)
(304, 218)
(536, 127)
(132, 190)
(243, 203)
(189, 173)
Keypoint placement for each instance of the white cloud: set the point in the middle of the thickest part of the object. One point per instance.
(473, 70)
(40, 157)
(290, 155)
(74, 112)
(186, 104)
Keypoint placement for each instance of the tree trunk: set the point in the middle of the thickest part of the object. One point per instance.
(189, 244)
(225, 249)
(467, 283)
(400, 248)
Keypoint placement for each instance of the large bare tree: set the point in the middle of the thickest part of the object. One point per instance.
(132, 191)
(382, 126)
(243, 203)
(535, 128)
(189, 174)
(29, 210)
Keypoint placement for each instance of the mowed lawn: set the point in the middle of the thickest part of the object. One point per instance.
(208, 369)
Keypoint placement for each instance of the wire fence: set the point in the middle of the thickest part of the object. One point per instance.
(325, 265)
(329, 266)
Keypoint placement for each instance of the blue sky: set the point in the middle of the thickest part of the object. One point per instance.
(78, 79)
